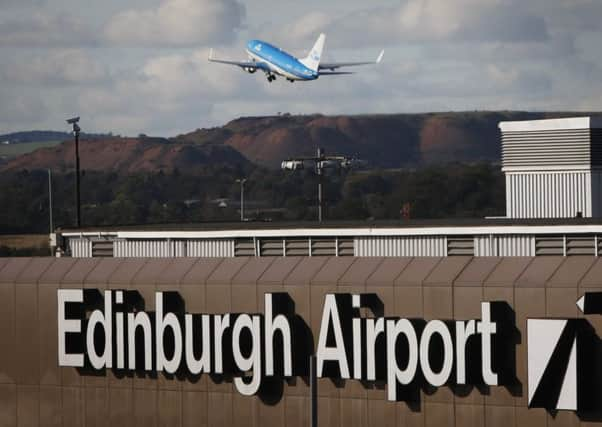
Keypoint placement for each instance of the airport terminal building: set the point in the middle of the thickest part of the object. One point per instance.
(492, 322)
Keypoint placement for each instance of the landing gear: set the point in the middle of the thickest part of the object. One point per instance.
(291, 80)
(271, 78)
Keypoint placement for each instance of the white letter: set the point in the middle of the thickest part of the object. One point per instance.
(463, 331)
(279, 323)
(68, 326)
(436, 327)
(221, 323)
(336, 353)
(394, 374)
(486, 328)
(106, 321)
(169, 321)
(134, 320)
(357, 348)
(253, 362)
(204, 363)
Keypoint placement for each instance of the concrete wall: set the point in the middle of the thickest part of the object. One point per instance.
(35, 391)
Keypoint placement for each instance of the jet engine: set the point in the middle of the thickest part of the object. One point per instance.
(250, 70)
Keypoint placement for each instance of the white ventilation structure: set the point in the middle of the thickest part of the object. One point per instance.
(553, 167)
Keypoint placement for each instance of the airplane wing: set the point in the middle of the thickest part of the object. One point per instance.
(335, 65)
(253, 65)
(335, 73)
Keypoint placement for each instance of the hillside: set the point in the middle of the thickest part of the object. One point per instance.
(41, 136)
(390, 141)
(129, 155)
(34, 136)
(384, 141)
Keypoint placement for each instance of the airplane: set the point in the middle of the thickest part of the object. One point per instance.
(274, 61)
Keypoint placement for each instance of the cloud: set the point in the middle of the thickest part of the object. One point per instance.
(20, 3)
(174, 23)
(470, 20)
(54, 68)
(166, 94)
(518, 80)
(43, 28)
(443, 20)
(423, 21)
(177, 23)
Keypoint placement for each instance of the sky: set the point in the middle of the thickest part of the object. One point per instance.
(140, 66)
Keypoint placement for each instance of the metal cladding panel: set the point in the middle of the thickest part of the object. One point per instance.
(210, 248)
(35, 269)
(168, 248)
(13, 268)
(515, 246)
(80, 248)
(484, 246)
(400, 246)
(548, 148)
(549, 194)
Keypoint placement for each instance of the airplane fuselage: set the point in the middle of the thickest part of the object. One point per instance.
(279, 62)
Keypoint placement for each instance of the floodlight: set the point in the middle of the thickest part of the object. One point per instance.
(76, 130)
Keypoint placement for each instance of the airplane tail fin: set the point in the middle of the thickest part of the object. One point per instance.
(312, 61)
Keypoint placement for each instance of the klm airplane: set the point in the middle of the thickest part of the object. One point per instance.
(274, 61)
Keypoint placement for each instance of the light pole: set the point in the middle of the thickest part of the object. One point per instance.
(50, 200)
(242, 181)
(50, 205)
(76, 130)
(320, 163)
(313, 392)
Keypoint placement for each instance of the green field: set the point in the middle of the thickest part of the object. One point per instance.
(13, 150)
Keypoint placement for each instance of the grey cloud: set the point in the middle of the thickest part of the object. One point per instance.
(4, 4)
(424, 21)
(43, 28)
(54, 68)
(570, 16)
(503, 24)
(20, 108)
(177, 23)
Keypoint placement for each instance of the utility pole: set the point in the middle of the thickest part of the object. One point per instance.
(242, 198)
(319, 173)
(78, 222)
(313, 392)
(321, 162)
(50, 200)
(76, 130)
(50, 204)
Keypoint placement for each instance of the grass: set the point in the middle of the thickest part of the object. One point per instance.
(18, 245)
(21, 241)
(14, 150)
